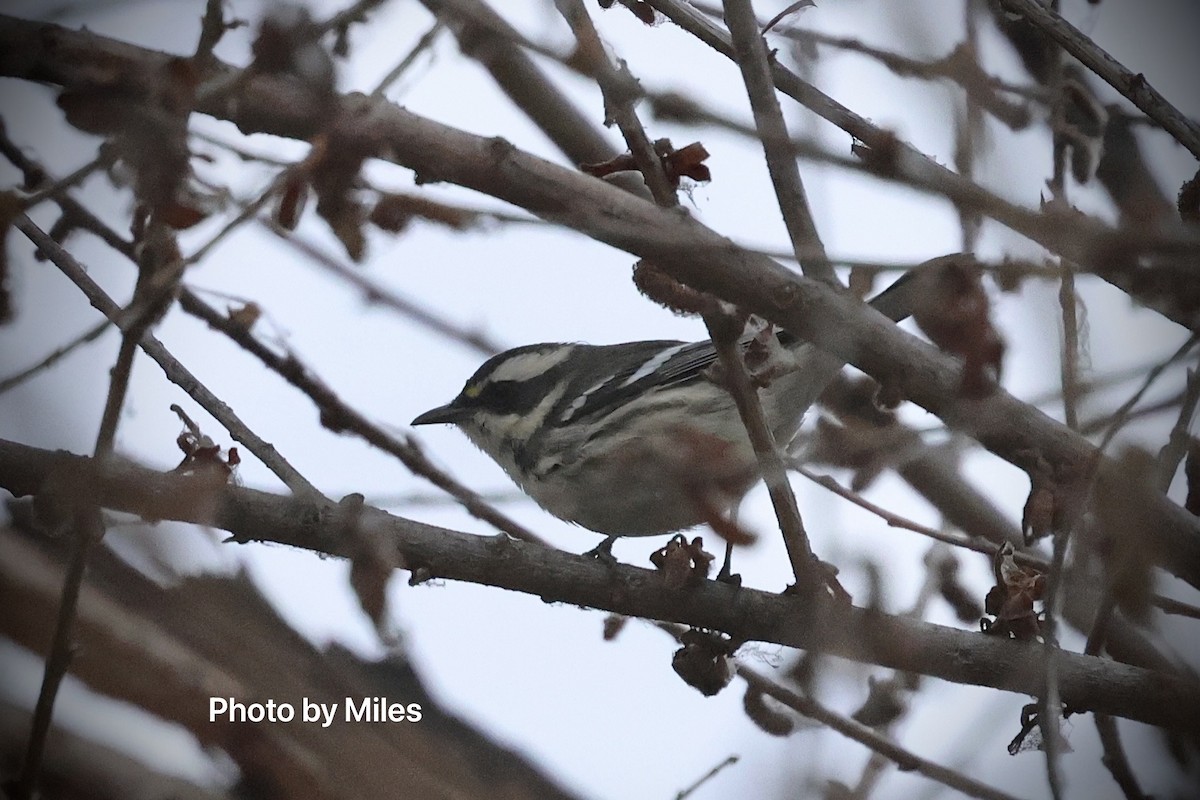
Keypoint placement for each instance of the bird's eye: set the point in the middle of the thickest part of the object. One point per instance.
(503, 396)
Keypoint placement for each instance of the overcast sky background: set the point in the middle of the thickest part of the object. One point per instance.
(610, 720)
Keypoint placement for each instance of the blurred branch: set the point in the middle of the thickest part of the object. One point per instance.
(171, 650)
(376, 293)
(1134, 87)
(90, 335)
(77, 767)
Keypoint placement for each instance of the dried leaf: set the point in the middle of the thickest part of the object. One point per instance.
(774, 721)
(613, 625)
(704, 662)
(291, 201)
(687, 162)
(953, 310)
(793, 8)
(639, 8)
(393, 212)
(682, 563)
(1012, 599)
(883, 705)
(653, 282)
(1188, 201)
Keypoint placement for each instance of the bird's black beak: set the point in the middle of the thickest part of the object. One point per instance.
(442, 414)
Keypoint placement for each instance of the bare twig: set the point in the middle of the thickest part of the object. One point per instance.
(897, 521)
(88, 530)
(1068, 302)
(621, 91)
(424, 43)
(1114, 757)
(706, 777)
(375, 293)
(751, 55)
(1177, 443)
(89, 335)
(50, 190)
(171, 367)
(904, 759)
(1135, 87)
(725, 332)
(1119, 417)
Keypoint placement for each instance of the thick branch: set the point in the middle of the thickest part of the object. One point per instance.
(1087, 683)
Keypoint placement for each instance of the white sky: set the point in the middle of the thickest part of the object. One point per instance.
(609, 720)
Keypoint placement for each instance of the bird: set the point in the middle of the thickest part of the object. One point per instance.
(638, 438)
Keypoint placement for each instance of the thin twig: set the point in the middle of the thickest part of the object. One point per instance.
(1177, 443)
(1114, 757)
(376, 293)
(1134, 87)
(424, 43)
(725, 333)
(37, 177)
(621, 91)
(53, 358)
(1068, 302)
(751, 56)
(49, 191)
(904, 759)
(706, 777)
(897, 521)
(1119, 417)
(1050, 699)
(174, 371)
(88, 531)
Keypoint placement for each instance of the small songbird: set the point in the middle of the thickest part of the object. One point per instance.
(634, 439)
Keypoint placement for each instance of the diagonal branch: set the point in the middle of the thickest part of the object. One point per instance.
(1134, 87)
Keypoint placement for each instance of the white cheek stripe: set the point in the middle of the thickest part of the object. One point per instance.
(522, 428)
(653, 364)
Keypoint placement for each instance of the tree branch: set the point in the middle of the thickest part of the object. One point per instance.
(1087, 683)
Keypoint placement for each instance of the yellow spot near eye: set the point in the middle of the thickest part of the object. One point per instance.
(473, 391)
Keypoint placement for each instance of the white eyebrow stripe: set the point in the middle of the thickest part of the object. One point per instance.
(527, 366)
(579, 401)
(654, 363)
